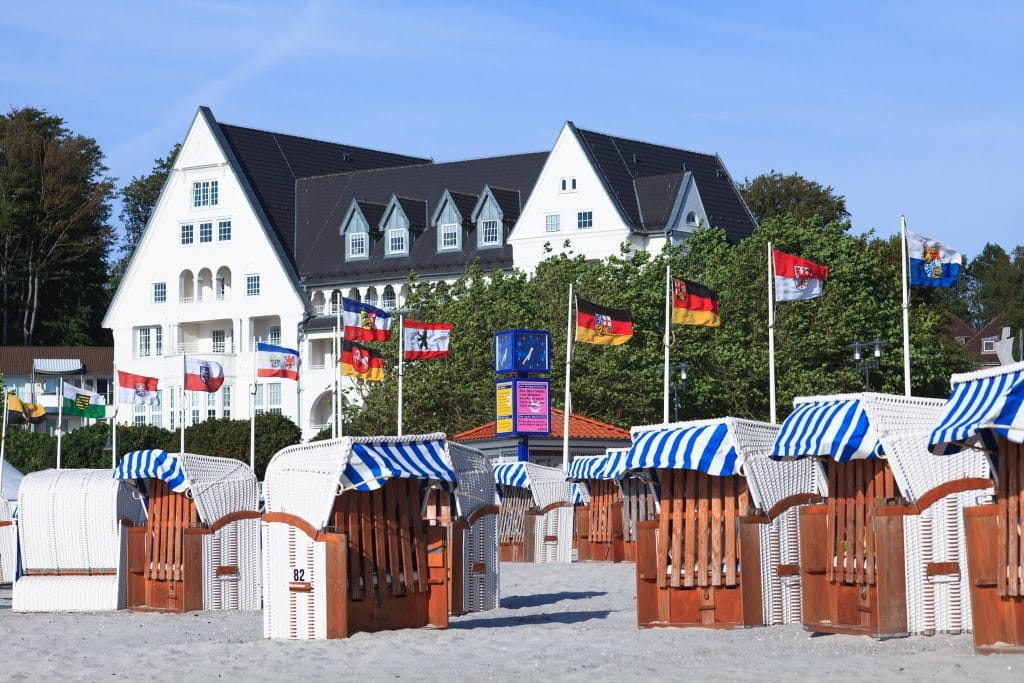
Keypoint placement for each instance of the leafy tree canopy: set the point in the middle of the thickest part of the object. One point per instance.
(774, 194)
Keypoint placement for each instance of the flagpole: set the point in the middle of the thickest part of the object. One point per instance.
(772, 410)
(668, 331)
(3, 438)
(338, 334)
(60, 415)
(184, 368)
(252, 412)
(113, 420)
(401, 367)
(568, 378)
(906, 306)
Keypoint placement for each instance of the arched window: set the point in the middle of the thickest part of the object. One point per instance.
(222, 286)
(186, 287)
(371, 296)
(354, 294)
(388, 300)
(574, 183)
(563, 184)
(691, 218)
(204, 285)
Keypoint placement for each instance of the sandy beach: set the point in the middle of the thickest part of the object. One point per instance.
(571, 622)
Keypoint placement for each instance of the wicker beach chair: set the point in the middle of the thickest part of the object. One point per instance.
(345, 544)
(536, 519)
(71, 527)
(8, 543)
(723, 550)
(884, 554)
(600, 518)
(473, 543)
(985, 410)
(199, 546)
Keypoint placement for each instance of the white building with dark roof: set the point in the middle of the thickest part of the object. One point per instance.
(256, 235)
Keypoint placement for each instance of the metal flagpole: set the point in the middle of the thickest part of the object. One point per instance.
(184, 368)
(60, 414)
(339, 332)
(252, 412)
(569, 341)
(772, 411)
(113, 420)
(401, 367)
(3, 439)
(906, 306)
(667, 339)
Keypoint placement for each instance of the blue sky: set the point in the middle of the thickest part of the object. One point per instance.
(902, 107)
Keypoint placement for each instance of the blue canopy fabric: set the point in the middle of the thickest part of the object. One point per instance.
(704, 447)
(585, 467)
(981, 406)
(577, 495)
(837, 429)
(372, 464)
(512, 474)
(153, 464)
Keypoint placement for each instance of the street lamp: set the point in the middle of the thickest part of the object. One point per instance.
(679, 387)
(866, 357)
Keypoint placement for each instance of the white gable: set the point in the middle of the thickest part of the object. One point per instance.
(568, 161)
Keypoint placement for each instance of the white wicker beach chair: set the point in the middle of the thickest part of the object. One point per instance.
(218, 501)
(345, 545)
(921, 494)
(542, 494)
(725, 524)
(72, 538)
(8, 543)
(480, 568)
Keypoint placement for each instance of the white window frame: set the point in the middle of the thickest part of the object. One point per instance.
(206, 232)
(143, 342)
(225, 408)
(274, 335)
(187, 234)
(159, 292)
(394, 233)
(484, 226)
(384, 302)
(219, 338)
(273, 397)
(552, 225)
(205, 193)
(350, 253)
(446, 230)
(586, 216)
(988, 345)
(211, 406)
(224, 230)
(250, 280)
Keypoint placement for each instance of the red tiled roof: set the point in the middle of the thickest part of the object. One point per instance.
(17, 360)
(579, 428)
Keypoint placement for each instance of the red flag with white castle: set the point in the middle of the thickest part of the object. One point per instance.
(203, 375)
(137, 389)
(797, 278)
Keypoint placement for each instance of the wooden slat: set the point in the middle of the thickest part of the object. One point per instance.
(678, 526)
(849, 520)
(877, 484)
(1018, 534)
(1009, 520)
(394, 559)
(355, 559)
(419, 538)
(715, 530)
(690, 529)
(665, 526)
(703, 542)
(383, 570)
(1002, 518)
(860, 484)
(732, 512)
(365, 543)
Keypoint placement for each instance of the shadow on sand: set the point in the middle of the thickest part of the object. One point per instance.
(540, 599)
(554, 618)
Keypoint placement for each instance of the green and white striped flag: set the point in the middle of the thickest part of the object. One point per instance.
(83, 403)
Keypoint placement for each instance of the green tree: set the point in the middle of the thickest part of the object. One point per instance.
(54, 232)
(996, 285)
(623, 385)
(230, 438)
(775, 194)
(138, 199)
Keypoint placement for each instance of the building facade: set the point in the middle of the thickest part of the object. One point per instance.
(257, 235)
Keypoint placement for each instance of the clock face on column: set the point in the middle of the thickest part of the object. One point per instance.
(532, 352)
(503, 360)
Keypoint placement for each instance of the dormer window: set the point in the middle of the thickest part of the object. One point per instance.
(449, 221)
(490, 235)
(357, 246)
(398, 240)
(450, 236)
(691, 219)
(357, 234)
(489, 217)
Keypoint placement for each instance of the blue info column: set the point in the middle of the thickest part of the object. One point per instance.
(522, 390)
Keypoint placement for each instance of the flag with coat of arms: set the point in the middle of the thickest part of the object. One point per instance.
(80, 402)
(932, 263)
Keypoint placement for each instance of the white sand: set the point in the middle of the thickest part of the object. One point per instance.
(572, 622)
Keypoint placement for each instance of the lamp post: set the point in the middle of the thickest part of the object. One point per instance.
(679, 387)
(866, 357)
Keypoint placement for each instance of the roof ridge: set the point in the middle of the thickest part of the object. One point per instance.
(431, 164)
(648, 142)
(322, 141)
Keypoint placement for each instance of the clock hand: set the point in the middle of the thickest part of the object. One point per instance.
(528, 354)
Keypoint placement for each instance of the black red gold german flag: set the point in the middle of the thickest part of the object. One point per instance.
(362, 362)
(601, 324)
(694, 304)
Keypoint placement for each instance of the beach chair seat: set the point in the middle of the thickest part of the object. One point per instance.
(536, 518)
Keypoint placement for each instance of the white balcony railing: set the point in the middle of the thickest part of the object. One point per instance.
(325, 309)
(186, 299)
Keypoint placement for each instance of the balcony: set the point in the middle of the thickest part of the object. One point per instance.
(204, 346)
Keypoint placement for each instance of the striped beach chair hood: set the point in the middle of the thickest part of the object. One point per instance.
(833, 427)
(706, 446)
(153, 464)
(981, 405)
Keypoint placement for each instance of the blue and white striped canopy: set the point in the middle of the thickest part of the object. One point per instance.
(512, 474)
(372, 464)
(585, 467)
(838, 429)
(577, 495)
(153, 464)
(702, 446)
(980, 406)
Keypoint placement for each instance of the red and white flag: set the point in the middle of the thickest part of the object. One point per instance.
(203, 375)
(797, 278)
(426, 340)
(137, 389)
(277, 361)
